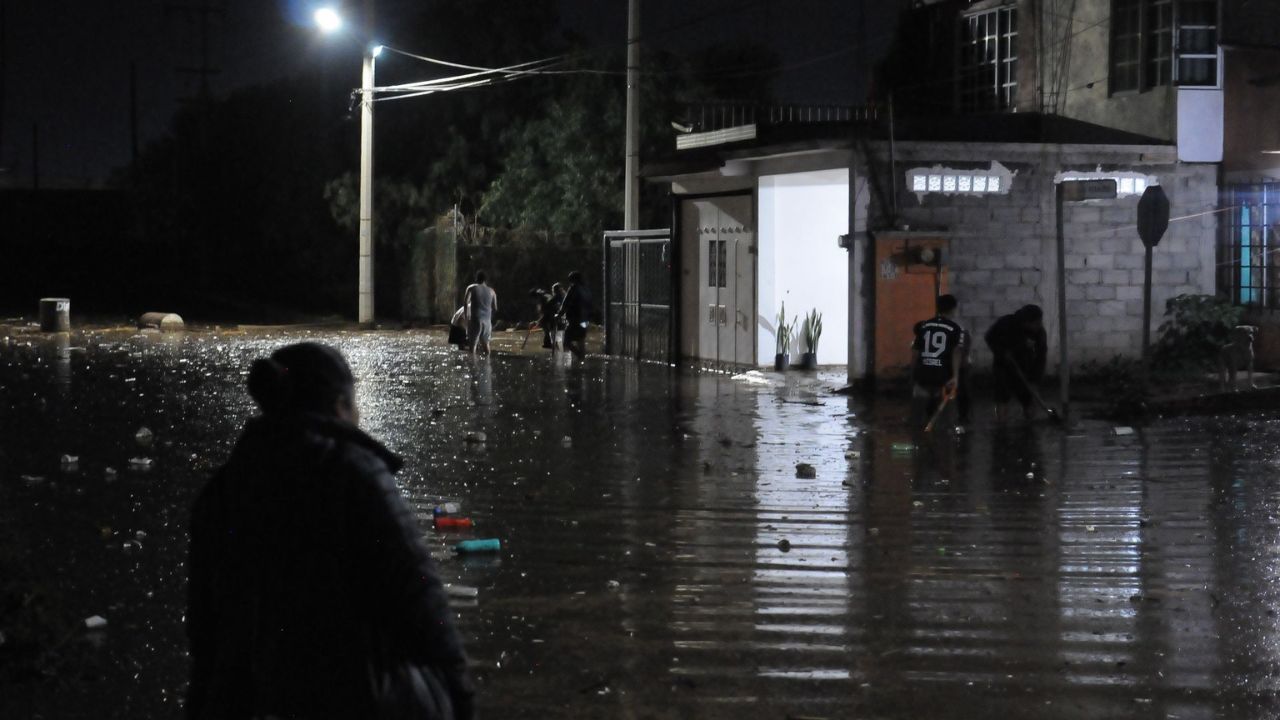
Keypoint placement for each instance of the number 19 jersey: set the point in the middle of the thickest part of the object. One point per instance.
(936, 343)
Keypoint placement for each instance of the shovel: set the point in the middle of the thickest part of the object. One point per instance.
(528, 329)
(948, 394)
(1053, 414)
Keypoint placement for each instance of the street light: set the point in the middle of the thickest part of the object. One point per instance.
(328, 20)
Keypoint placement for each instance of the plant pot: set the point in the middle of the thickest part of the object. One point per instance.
(781, 362)
(809, 361)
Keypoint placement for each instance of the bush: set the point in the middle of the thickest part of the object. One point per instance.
(1125, 387)
(1196, 328)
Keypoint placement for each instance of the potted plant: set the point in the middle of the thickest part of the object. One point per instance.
(812, 331)
(783, 336)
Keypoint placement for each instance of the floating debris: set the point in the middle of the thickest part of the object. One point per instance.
(477, 438)
(95, 621)
(144, 436)
(784, 545)
(1124, 430)
(444, 522)
(614, 585)
(449, 508)
(69, 462)
(110, 474)
(805, 471)
(140, 463)
(478, 546)
(461, 591)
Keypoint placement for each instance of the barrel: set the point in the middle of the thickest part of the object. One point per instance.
(55, 315)
(163, 321)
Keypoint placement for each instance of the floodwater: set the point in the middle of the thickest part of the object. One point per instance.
(1029, 571)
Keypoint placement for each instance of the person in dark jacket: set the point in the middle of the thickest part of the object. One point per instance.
(311, 594)
(1019, 348)
(576, 310)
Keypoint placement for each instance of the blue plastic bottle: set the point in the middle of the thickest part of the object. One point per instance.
(478, 546)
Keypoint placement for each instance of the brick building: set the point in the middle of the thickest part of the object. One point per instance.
(995, 102)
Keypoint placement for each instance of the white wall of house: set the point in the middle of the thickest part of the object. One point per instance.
(800, 219)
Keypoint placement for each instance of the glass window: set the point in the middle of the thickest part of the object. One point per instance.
(935, 183)
(1163, 42)
(919, 183)
(993, 183)
(1251, 232)
(979, 183)
(966, 183)
(1126, 45)
(948, 183)
(988, 60)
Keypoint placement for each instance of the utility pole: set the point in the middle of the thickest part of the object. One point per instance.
(365, 261)
(4, 49)
(631, 210)
(133, 111)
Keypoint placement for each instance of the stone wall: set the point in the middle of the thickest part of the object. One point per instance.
(1002, 249)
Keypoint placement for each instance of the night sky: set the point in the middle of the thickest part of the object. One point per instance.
(66, 63)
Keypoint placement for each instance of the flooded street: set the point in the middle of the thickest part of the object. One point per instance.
(661, 559)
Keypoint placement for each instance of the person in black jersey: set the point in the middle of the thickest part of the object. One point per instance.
(1019, 348)
(937, 354)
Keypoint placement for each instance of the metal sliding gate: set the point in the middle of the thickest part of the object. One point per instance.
(638, 295)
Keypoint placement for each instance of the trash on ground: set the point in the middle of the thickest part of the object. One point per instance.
(461, 591)
(444, 522)
(478, 546)
(1124, 430)
(140, 463)
(752, 377)
(95, 621)
(144, 436)
(805, 471)
(449, 508)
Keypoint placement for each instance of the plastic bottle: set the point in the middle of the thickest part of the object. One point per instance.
(478, 546)
(444, 522)
(449, 508)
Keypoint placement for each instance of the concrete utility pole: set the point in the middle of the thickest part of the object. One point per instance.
(631, 211)
(365, 316)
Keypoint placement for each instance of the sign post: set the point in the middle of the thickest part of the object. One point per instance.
(1071, 191)
(1153, 220)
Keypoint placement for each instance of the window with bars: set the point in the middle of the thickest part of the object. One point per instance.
(1163, 42)
(989, 60)
(1251, 234)
(717, 259)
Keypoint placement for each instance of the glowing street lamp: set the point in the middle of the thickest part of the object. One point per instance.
(329, 22)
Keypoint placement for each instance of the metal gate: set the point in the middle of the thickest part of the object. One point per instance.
(638, 296)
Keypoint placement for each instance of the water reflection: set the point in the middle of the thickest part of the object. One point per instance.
(1018, 571)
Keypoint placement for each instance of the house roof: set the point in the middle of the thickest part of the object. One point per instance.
(788, 139)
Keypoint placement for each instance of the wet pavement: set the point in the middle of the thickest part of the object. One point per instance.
(660, 557)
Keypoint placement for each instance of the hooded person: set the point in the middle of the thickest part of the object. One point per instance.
(310, 592)
(1019, 348)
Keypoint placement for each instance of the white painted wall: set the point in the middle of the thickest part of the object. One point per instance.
(800, 219)
(1200, 124)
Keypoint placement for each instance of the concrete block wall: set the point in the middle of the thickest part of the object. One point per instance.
(1002, 250)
